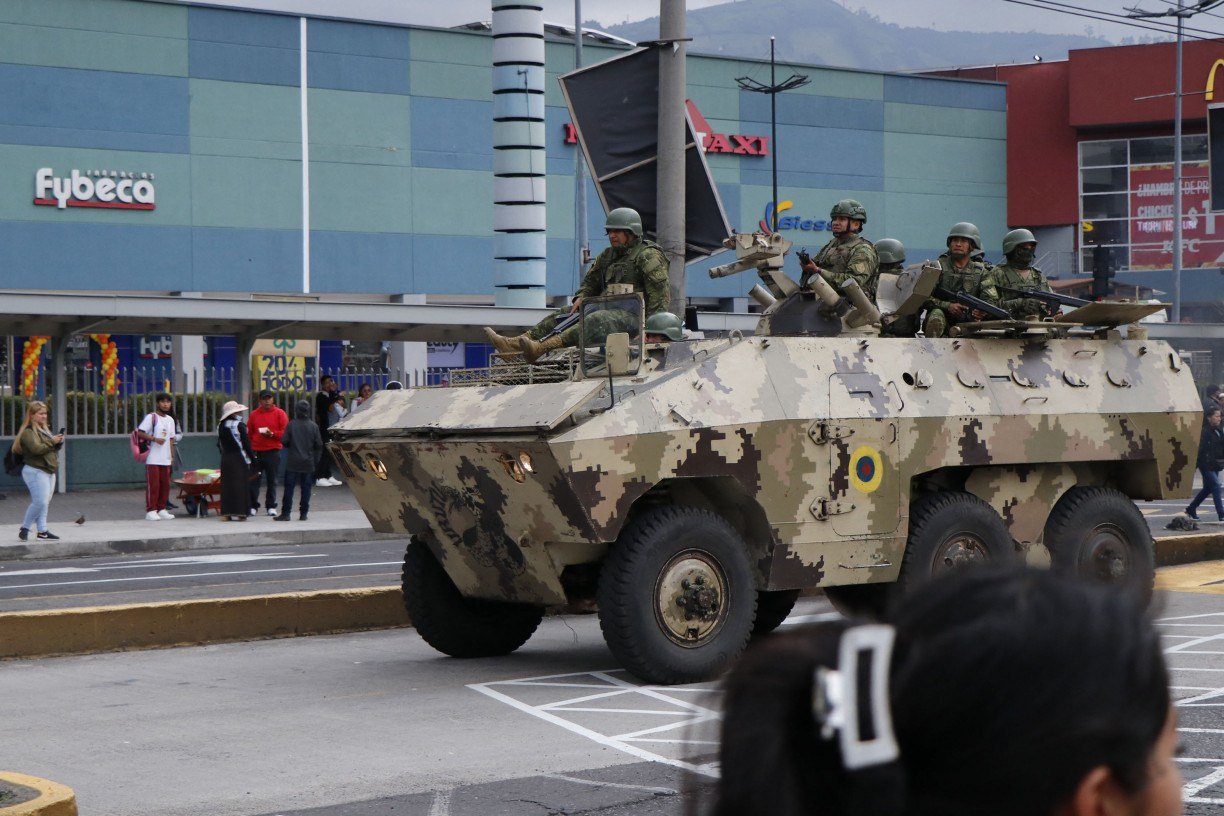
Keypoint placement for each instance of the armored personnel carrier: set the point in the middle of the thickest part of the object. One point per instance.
(693, 488)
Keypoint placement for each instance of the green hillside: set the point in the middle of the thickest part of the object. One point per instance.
(824, 33)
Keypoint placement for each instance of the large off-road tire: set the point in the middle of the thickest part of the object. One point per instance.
(677, 599)
(953, 530)
(459, 626)
(772, 609)
(1099, 533)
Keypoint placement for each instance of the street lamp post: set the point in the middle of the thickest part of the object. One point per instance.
(1181, 12)
(773, 89)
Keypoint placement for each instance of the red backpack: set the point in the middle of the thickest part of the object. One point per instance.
(140, 447)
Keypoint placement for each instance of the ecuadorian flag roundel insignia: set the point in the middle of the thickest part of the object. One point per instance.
(866, 469)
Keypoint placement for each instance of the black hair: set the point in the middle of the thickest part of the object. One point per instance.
(1007, 688)
(1210, 411)
(1213, 390)
(326, 378)
(162, 395)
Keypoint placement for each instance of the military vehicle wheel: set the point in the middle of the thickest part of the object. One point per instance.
(676, 596)
(772, 609)
(1100, 533)
(459, 626)
(953, 530)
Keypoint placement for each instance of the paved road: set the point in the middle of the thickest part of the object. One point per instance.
(239, 571)
(226, 573)
(377, 723)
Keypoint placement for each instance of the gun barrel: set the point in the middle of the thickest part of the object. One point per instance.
(1052, 298)
(973, 302)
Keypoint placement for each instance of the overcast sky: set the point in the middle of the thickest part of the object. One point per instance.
(959, 15)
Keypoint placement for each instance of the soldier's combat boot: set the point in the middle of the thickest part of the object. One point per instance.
(935, 327)
(533, 351)
(503, 345)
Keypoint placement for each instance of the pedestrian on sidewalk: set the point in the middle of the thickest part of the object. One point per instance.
(303, 447)
(160, 430)
(1210, 462)
(267, 423)
(236, 459)
(40, 450)
(322, 414)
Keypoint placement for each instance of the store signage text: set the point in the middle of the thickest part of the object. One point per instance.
(736, 143)
(792, 222)
(107, 189)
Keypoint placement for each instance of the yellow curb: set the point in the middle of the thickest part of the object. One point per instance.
(1206, 577)
(184, 623)
(1189, 548)
(53, 798)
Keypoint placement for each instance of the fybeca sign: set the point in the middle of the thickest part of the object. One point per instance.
(105, 189)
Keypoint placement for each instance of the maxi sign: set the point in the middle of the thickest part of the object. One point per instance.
(107, 189)
(736, 144)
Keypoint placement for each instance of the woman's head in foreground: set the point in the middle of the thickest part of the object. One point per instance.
(1010, 693)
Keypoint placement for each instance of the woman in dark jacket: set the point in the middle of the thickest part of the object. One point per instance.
(1210, 461)
(236, 458)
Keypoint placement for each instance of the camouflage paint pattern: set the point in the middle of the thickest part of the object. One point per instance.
(812, 447)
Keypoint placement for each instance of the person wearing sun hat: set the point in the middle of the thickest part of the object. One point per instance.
(236, 459)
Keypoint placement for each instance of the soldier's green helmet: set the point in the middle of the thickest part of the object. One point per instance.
(890, 251)
(1015, 238)
(967, 231)
(850, 209)
(624, 218)
(665, 323)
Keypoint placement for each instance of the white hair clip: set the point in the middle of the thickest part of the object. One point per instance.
(853, 700)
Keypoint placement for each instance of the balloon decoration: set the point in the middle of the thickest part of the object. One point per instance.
(31, 354)
(110, 361)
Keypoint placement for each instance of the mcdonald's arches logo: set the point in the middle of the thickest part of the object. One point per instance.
(1211, 79)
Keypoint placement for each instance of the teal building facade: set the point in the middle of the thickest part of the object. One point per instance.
(151, 146)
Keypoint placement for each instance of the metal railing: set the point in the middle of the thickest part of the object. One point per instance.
(198, 394)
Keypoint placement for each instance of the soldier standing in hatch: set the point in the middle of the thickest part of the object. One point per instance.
(629, 259)
(1019, 246)
(959, 273)
(849, 254)
(891, 253)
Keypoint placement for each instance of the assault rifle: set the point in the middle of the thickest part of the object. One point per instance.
(1050, 299)
(564, 323)
(972, 302)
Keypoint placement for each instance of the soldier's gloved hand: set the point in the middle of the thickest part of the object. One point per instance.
(978, 314)
(957, 309)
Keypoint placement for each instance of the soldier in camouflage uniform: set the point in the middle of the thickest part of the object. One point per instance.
(629, 259)
(891, 253)
(1020, 246)
(849, 254)
(960, 273)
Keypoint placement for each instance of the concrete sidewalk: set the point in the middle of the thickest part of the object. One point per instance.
(114, 524)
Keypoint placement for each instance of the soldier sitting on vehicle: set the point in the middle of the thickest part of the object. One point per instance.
(960, 273)
(629, 260)
(1020, 246)
(849, 254)
(891, 253)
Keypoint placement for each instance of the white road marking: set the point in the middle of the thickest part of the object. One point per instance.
(1198, 641)
(56, 571)
(795, 620)
(597, 784)
(223, 558)
(199, 575)
(689, 714)
(1193, 787)
(441, 803)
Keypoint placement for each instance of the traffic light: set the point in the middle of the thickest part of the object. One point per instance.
(1102, 270)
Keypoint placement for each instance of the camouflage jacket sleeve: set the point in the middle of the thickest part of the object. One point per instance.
(654, 268)
(861, 266)
(592, 281)
(987, 290)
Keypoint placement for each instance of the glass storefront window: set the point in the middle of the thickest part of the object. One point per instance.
(1104, 180)
(1101, 154)
(1108, 205)
(1106, 232)
(1126, 204)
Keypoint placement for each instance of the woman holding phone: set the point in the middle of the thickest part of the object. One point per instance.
(40, 449)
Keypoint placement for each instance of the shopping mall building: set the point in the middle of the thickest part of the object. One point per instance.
(159, 147)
